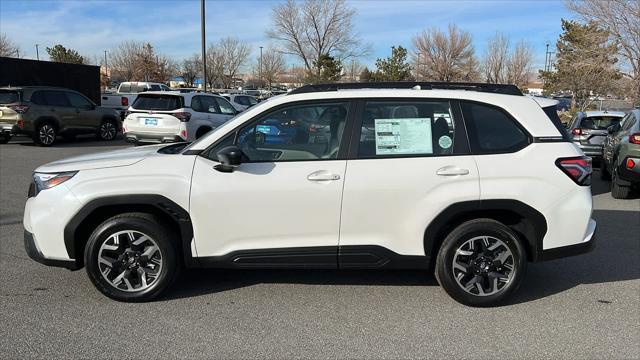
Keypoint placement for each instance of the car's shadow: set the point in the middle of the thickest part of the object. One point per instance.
(77, 141)
(615, 258)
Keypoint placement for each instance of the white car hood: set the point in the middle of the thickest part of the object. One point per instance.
(124, 157)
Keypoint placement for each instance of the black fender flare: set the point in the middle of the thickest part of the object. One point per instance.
(160, 203)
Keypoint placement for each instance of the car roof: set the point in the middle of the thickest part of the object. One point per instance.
(178, 93)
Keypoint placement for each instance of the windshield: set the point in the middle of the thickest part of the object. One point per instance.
(157, 102)
(599, 122)
(9, 96)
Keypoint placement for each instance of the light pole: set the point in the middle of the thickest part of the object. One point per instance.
(37, 53)
(204, 49)
(260, 70)
(106, 71)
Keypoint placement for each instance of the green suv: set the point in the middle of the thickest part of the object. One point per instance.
(43, 113)
(621, 155)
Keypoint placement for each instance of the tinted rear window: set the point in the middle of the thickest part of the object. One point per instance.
(158, 102)
(9, 96)
(599, 122)
(491, 130)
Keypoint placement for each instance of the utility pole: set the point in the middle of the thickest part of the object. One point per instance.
(546, 58)
(106, 70)
(204, 49)
(37, 53)
(260, 71)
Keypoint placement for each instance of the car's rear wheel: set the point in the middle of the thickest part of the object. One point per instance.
(131, 257)
(108, 130)
(5, 139)
(481, 263)
(45, 134)
(618, 191)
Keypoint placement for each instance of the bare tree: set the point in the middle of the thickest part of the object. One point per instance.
(445, 56)
(7, 47)
(496, 58)
(190, 69)
(272, 66)
(123, 60)
(620, 18)
(519, 64)
(215, 66)
(235, 54)
(315, 28)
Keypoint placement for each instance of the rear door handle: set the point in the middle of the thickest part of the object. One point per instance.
(451, 171)
(323, 175)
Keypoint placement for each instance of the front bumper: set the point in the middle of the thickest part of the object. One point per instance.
(587, 245)
(34, 253)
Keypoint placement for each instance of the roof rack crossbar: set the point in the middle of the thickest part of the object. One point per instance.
(481, 87)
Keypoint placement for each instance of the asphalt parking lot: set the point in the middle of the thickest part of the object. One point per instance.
(580, 307)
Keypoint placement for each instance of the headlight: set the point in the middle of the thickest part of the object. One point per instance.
(45, 181)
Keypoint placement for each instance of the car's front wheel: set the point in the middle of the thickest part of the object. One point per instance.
(131, 257)
(481, 263)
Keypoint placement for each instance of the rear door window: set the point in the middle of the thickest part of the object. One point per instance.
(205, 104)
(400, 129)
(225, 106)
(158, 102)
(492, 130)
(9, 96)
(78, 101)
(56, 98)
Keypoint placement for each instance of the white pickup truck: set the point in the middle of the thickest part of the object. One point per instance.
(127, 93)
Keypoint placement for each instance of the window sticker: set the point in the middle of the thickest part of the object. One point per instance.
(445, 142)
(403, 136)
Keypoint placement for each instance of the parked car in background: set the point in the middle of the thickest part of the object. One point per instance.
(159, 117)
(127, 93)
(589, 130)
(621, 155)
(43, 113)
(241, 102)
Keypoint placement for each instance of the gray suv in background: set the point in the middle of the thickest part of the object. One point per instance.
(43, 113)
(589, 130)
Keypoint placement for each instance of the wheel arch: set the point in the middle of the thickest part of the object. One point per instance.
(527, 222)
(82, 224)
(202, 130)
(112, 118)
(47, 119)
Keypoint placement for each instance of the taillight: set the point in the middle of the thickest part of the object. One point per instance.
(183, 134)
(182, 116)
(630, 164)
(20, 109)
(576, 131)
(579, 169)
(124, 101)
(634, 138)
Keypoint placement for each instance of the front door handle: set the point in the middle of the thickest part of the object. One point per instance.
(452, 171)
(323, 175)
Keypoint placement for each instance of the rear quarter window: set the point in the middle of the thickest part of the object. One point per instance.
(158, 102)
(491, 130)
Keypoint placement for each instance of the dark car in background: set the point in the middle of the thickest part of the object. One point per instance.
(43, 113)
(589, 130)
(621, 155)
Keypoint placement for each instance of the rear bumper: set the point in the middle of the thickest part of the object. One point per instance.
(152, 138)
(34, 253)
(585, 246)
(590, 150)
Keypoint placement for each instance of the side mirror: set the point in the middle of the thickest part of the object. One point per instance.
(230, 157)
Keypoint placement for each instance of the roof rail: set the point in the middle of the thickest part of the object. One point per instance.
(481, 87)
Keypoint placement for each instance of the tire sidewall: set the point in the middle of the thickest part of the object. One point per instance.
(459, 236)
(149, 227)
(36, 136)
(113, 124)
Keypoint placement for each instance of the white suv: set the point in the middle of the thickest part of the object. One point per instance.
(159, 117)
(470, 181)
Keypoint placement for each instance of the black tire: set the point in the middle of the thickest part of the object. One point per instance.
(139, 223)
(108, 130)
(45, 134)
(469, 232)
(5, 139)
(618, 191)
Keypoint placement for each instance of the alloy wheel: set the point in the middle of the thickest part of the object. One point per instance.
(483, 266)
(107, 130)
(130, 261)
(47, 134)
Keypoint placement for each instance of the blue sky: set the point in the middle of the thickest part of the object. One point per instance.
(173, 26)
